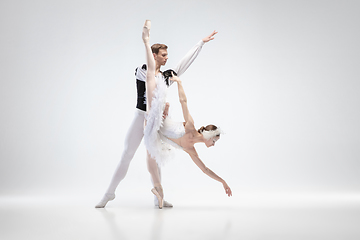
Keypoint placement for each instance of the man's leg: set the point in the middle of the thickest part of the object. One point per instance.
(132, 142)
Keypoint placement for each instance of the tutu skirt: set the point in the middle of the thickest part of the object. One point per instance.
(158, 130)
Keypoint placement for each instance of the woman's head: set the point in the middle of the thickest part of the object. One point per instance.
(211, 134)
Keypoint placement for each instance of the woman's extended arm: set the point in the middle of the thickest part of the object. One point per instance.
(194, 156)
(183, 101)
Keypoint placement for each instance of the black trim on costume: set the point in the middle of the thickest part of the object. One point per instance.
(167, 74)
(142, 67)
(141, 88)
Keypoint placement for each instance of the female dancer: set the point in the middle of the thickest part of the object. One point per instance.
(161, 133)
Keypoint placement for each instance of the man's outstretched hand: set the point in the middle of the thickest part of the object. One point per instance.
(210, 37)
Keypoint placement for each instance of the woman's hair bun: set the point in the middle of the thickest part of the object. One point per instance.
(201, 129)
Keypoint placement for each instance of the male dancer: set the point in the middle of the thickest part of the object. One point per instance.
(135, 132)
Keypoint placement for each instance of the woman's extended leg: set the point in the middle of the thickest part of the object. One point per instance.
(150, 87)
(150, 73)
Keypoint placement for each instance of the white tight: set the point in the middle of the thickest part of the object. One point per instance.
(132, 142)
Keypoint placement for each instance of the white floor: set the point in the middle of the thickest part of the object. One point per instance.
(251, 216)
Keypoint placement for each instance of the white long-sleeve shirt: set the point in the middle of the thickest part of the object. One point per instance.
(181, 67)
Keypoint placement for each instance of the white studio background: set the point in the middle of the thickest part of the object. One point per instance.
(281, 79)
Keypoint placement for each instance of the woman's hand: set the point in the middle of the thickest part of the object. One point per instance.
(210, 37)
(227, 189)
(175, 78)
(166, 110)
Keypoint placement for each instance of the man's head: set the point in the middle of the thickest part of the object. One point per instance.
(160, 53)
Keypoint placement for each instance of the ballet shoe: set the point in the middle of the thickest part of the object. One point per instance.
(165, 204)
(107, 197)
(160, 199)
(146, 31)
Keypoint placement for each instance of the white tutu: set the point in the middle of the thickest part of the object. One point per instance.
(158, 131)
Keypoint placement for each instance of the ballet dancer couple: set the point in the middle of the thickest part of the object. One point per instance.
(161, 134)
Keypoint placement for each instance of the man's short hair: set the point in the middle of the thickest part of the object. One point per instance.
(157, 46)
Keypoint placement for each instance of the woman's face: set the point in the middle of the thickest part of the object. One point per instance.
(211, 142)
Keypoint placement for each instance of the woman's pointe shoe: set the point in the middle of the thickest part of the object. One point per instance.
(160, 199)
(146, 31)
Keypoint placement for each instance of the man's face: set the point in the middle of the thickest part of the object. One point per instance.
(161, 57)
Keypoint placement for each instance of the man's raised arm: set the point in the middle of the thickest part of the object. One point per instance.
(188, 59)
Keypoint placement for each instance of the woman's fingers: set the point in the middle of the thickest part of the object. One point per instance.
(228, 191)
(174, 78)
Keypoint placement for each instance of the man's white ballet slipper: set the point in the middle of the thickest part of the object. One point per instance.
(165, 204)
(160, 200)
(107, 197)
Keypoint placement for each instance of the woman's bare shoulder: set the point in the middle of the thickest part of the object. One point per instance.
(189, 127)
